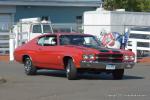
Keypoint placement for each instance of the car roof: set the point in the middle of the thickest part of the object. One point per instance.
(73, 33)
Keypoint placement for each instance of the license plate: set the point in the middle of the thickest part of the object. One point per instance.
(110, 67)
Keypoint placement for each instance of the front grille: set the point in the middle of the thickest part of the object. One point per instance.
(115, 58)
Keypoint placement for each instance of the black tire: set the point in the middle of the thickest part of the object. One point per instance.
(71, 71)
(28, 67)
(118, 74)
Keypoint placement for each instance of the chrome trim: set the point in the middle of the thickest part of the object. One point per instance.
(102, 65)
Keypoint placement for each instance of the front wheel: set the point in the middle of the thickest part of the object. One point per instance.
(29, 68)
(71, 71)
(118, 74)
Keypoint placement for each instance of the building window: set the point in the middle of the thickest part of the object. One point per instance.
(37, 29)
(79, 24)
(79, 19)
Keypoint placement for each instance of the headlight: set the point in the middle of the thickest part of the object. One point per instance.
(88, 57)
(126, 57)
(132, 57)
(85, 57)
(91, 56)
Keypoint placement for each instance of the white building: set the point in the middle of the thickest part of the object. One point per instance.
(101, 20)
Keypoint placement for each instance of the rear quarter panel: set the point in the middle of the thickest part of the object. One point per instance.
(25, 49)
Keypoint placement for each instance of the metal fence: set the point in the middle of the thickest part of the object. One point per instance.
(4, 37)
(4, 43)
(139, 43)
(137, 33)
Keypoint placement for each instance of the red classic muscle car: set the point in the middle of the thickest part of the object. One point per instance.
(72, 52)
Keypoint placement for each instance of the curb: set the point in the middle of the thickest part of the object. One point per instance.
(144, 60)
(4, 58)
(2, 80)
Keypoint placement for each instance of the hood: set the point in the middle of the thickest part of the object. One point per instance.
(94, 50)
(101, 50)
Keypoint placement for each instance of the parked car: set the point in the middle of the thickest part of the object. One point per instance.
(72, 52)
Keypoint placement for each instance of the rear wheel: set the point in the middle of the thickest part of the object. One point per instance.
(28, 66)
(118, 74)
(71, 71)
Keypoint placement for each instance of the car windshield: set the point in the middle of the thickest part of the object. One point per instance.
(79, 40)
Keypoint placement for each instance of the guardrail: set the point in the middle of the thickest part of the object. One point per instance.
(134, 46)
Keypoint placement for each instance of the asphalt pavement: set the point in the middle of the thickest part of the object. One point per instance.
(53, 85)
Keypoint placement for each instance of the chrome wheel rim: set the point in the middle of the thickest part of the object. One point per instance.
(68, 70)
(28, 65)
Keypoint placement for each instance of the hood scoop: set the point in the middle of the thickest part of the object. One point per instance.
(104, 50)
(109, 50)
(116, 51)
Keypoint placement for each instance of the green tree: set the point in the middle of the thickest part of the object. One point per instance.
(143, 5)
(114, 4)
(128, 5)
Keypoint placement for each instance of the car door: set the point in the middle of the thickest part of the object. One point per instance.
(48, 54)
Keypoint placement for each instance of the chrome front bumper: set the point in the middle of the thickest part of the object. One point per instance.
(102, 65)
